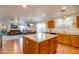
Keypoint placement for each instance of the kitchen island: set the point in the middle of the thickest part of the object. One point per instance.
(39, 43)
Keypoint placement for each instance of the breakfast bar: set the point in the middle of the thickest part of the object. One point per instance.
(39, 43)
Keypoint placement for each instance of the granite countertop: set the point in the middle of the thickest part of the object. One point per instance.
(40, 37)
(71, 31)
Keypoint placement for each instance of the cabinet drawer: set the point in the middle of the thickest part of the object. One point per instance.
(60, 39)
(75, 41)
(44, 43)
(44, 49)
(75, 44)
(66, 40)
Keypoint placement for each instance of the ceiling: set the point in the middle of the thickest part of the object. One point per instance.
(36, 12)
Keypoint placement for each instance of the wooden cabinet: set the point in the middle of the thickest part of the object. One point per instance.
(45, 47)
(44, 43)
(75, 40)
(52, 46)
(25, 44)
(56, 43)
(60, 38)
(69, 39)
(51, 24)
(30, 47)
(66, 39)
(77, 21)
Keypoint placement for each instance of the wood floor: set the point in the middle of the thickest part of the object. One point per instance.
(65, 49)
(15, 47)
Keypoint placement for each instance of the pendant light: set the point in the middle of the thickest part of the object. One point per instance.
(63, 10)
(24, 6)
(31, 24)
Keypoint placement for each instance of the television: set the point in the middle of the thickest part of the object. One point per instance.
(14, 26)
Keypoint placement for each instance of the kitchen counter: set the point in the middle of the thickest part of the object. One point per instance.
(39, 43)
(73, 31)
(40, 37)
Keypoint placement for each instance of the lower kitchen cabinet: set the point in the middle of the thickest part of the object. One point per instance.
(60, 38)
(30, 46)
(63, 38)
(74, 40)
(52, 46)
(44, 49)
(69, 39)
(66, 39)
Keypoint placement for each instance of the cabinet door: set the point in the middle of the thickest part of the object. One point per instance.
(52, 46)
(33, 47)
(55, 43)
(25, 46)
(51, 24)
(30, 47)
(60, 38)
(77, 21)
(44, 49)
(66, 39)
(75, 41)
(44, 43)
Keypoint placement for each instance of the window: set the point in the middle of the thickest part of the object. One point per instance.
(40, 27)
(66, 23)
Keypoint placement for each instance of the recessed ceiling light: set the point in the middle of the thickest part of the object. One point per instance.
(44, 15)
(64, 8)
(16, 20)
(24, 6)
(31, 24)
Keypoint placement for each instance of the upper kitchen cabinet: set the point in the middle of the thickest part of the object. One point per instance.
(77, 21)
(51, 24)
